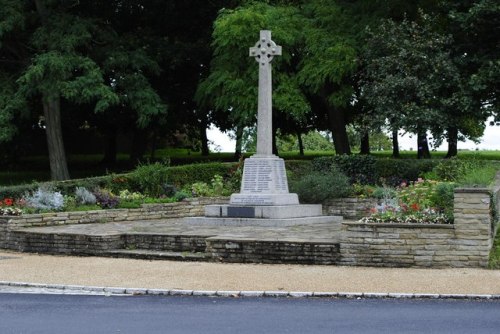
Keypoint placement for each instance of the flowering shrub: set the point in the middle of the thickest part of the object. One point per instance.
(130, 196)
(420, 202)
(106, 199)
(7, 208)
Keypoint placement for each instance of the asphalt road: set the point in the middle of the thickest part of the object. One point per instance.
(23, 313)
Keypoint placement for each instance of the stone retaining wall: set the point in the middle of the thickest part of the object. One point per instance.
(349, 208)
(249, 250)
(187, 208)
(466, 243)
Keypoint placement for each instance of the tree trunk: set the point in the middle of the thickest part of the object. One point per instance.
(338, 124)
(110, 147)
(365, 143)
(57, 156)
(301, 144)
(239, 142)
(395, 145)
(139, 146)
(452, 142)
(423, 146)
(204, 139)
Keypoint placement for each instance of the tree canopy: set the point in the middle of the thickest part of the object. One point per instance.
(119, 66)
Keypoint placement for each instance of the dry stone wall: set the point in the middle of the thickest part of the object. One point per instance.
(187, 208)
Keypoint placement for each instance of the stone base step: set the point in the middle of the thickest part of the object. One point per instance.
(222, 221)
(157, 255)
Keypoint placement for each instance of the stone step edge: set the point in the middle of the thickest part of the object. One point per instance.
(246, 294)
(141, 253)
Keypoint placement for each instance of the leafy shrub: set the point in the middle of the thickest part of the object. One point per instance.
(106, 199)
(83, 196)
(319, 186)
(69, 203)
(384, 193)
(130, 196)
(452, 169)
(478, 177)
(442, 197)
(150, 179)
(181, 176)
(17, 191)
(45, 199)
(393, 172)
(180, 195)
(215, 188)
(359, 168)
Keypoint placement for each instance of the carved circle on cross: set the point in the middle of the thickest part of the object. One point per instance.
(264, 51)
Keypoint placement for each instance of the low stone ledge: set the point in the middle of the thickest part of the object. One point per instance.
(399, 225)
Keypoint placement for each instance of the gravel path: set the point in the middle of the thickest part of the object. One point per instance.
(96, 271)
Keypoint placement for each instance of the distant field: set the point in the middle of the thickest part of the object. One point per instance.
(36, 168)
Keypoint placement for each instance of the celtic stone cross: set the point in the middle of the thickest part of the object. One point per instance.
(264, 51)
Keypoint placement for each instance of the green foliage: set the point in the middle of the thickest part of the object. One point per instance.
(150, 179)
(394, 171)
(482, 176)
(453, 169)
(217, 187)
(442, 197)
(359, 168)
(203, 172)
(411, 79)
(318, 186)
(494, 261)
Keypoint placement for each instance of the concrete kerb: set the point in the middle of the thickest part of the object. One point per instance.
(122, 291)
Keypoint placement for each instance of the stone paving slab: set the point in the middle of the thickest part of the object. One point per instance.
(325, 231)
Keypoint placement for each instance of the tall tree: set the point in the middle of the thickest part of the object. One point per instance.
(411, 80)
(312, 77)
(52, 66)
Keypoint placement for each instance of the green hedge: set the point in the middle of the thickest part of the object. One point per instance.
(203, 172)
(366, 169)
(394, 171)
(178, 176)
(359, 168)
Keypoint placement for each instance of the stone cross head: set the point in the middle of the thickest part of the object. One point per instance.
(265, 49)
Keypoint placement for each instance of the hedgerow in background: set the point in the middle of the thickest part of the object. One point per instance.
(359, 168)
(393, 172)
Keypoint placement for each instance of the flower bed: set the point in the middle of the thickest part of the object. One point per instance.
(419, 202)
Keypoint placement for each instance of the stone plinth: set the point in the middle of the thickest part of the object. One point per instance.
(264, 183)
(264, 211)
(270, 222)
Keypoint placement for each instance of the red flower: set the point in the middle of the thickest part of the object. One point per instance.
(8, 202)
(415, 206)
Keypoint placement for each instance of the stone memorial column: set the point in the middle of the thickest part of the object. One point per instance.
(264, 177)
